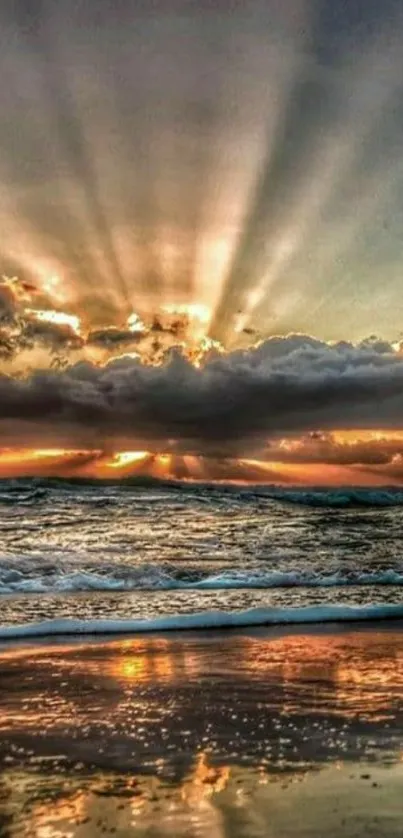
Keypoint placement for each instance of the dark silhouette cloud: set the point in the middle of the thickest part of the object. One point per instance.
(9, 303)
(236, 402)
(111, 337)
(54, 336)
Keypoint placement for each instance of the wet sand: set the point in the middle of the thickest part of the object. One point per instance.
(241, 734)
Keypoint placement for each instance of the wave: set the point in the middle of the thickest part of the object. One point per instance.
(341, 498)
(207, 620)
(163, 578)
(17, 495)
(30, 491)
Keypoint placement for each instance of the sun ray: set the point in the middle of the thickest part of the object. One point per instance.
(127, 458)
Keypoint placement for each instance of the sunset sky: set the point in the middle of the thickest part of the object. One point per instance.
(201, 250)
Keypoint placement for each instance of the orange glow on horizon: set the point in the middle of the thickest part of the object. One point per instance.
(98, 464)
(354, 436)
(126, 458)
(17, 456)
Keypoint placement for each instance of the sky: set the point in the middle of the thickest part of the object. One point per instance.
(201, 243)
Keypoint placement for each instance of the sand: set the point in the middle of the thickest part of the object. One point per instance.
(264, 734)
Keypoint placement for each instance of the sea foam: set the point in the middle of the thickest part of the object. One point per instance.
(30, 580)
(208, 620)
(162, 578)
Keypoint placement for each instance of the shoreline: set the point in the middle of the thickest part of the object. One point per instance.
(208, 621)
(268, 631)
(215, 733)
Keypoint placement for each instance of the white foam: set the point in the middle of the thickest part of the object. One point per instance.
(161, 578)
(207, 620)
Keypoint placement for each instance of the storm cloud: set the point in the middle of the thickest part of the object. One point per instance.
(235, 402)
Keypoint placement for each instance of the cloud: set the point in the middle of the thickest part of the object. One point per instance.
(23, 328)
(234, 403)
(9, 301)
(325, 448)
(112, 337)
(28, 322)
(7, 347)
(54, 336)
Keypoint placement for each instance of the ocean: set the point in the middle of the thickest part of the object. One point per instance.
(112, 725)
(106, 554)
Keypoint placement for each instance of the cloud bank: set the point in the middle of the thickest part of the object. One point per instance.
(234, 403)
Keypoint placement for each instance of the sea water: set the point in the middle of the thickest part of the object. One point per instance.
(155, 556)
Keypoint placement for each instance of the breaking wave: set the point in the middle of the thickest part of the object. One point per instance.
(31, 491)
(340, 497)
(163, 578)
(207, 620)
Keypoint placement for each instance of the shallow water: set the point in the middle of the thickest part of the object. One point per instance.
(242, 735)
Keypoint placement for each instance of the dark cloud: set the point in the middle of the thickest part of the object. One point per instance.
(234, 403)
(9, 303)
(176, 325)
(54, 336)
(23, 328)
(155, 338)
(111, 337)
(376, 344)
(7, 348)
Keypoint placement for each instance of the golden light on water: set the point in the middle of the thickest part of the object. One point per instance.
(204, 781)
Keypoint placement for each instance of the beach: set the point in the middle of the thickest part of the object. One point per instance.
(282, 731)
(200, 663)
(201, 419)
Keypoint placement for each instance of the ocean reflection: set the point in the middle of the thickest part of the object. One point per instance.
(190, 734)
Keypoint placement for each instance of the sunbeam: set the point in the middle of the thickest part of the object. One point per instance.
(201, 417)
(235, 190)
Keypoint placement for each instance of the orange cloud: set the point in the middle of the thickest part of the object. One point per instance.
(99, 464)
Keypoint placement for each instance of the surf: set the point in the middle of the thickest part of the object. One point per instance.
(208, 620)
